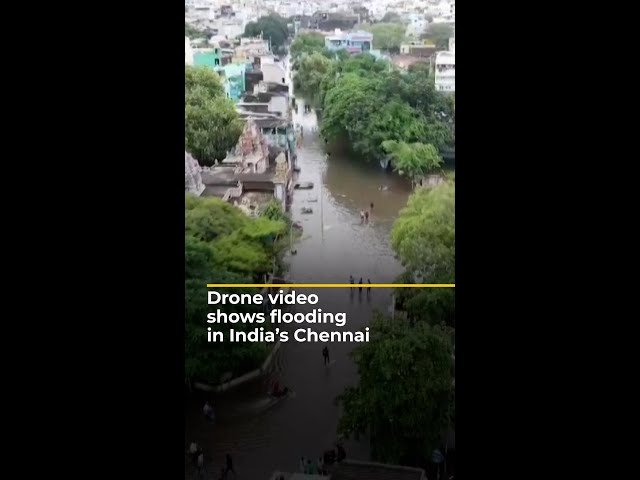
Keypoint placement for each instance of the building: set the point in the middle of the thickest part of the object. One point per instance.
(403, 62)
(207, 57)
(418, 49)
(445, 72)
(188, 52)
(353, 42)
(328, 21)
(272, 72)
(233, 78)
(192, 177)
(253, 174)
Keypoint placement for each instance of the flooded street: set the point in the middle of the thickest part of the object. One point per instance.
(334, 244)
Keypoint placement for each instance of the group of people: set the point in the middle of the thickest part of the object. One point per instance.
(365, 214)
(197, 455)
(197, 458)
(336, 454)
(352, 281)
(309, 468)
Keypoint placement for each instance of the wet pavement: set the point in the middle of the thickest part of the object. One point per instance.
(263, 437)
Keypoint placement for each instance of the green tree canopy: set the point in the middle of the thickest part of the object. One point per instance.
(202, 77)
(309, 77)
(360, 109)
(423, 236)
(212, 128)
(366, 102)
(211, 124)
(223, 245)
(272, 27)
(192, 32)
(439, 33)
(405, 397)
(414, 160)
(387, 36)
(392, 17)
(307, 43)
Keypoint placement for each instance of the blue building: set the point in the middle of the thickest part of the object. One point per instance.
(233, 79)
(353, 42)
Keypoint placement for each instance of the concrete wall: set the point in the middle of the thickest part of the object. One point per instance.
(279, 104)
(274, 73)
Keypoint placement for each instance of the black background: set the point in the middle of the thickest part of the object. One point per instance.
(100, 227)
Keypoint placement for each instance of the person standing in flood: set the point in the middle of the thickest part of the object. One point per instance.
(325, 354)
(366, 216)
(371, 206)
(229, 467)
(369, 287)
(202, 471)
(208, 412)
(360, 287)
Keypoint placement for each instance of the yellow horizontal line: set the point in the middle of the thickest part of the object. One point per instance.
(332, 285)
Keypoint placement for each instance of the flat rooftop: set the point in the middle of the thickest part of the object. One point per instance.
(219, 176)
(215, 191)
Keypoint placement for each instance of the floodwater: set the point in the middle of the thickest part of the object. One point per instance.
(335, 244)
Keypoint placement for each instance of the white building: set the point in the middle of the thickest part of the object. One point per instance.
(188, 52)
(445, 72)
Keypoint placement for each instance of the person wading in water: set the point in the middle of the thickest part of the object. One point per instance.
(325, 354)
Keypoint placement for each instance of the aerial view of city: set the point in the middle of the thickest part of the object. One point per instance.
(320, 149)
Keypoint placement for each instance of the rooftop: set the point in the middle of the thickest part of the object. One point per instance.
(448, 58)
(405, 61)
(215, 191)
(255, 177)
(219, 175)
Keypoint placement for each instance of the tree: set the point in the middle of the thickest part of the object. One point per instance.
(272, 28)
(192, 32)
(223, 245)
(307, 43)
(423, 236)
(361, 110)
(211, 129)
(310, 75)
(366, 102)
(439, 33)
(435, 306)
(392, 17)
(211, 124)
(387, 36)
(405, 396)
(414, 160)
(202, 77)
